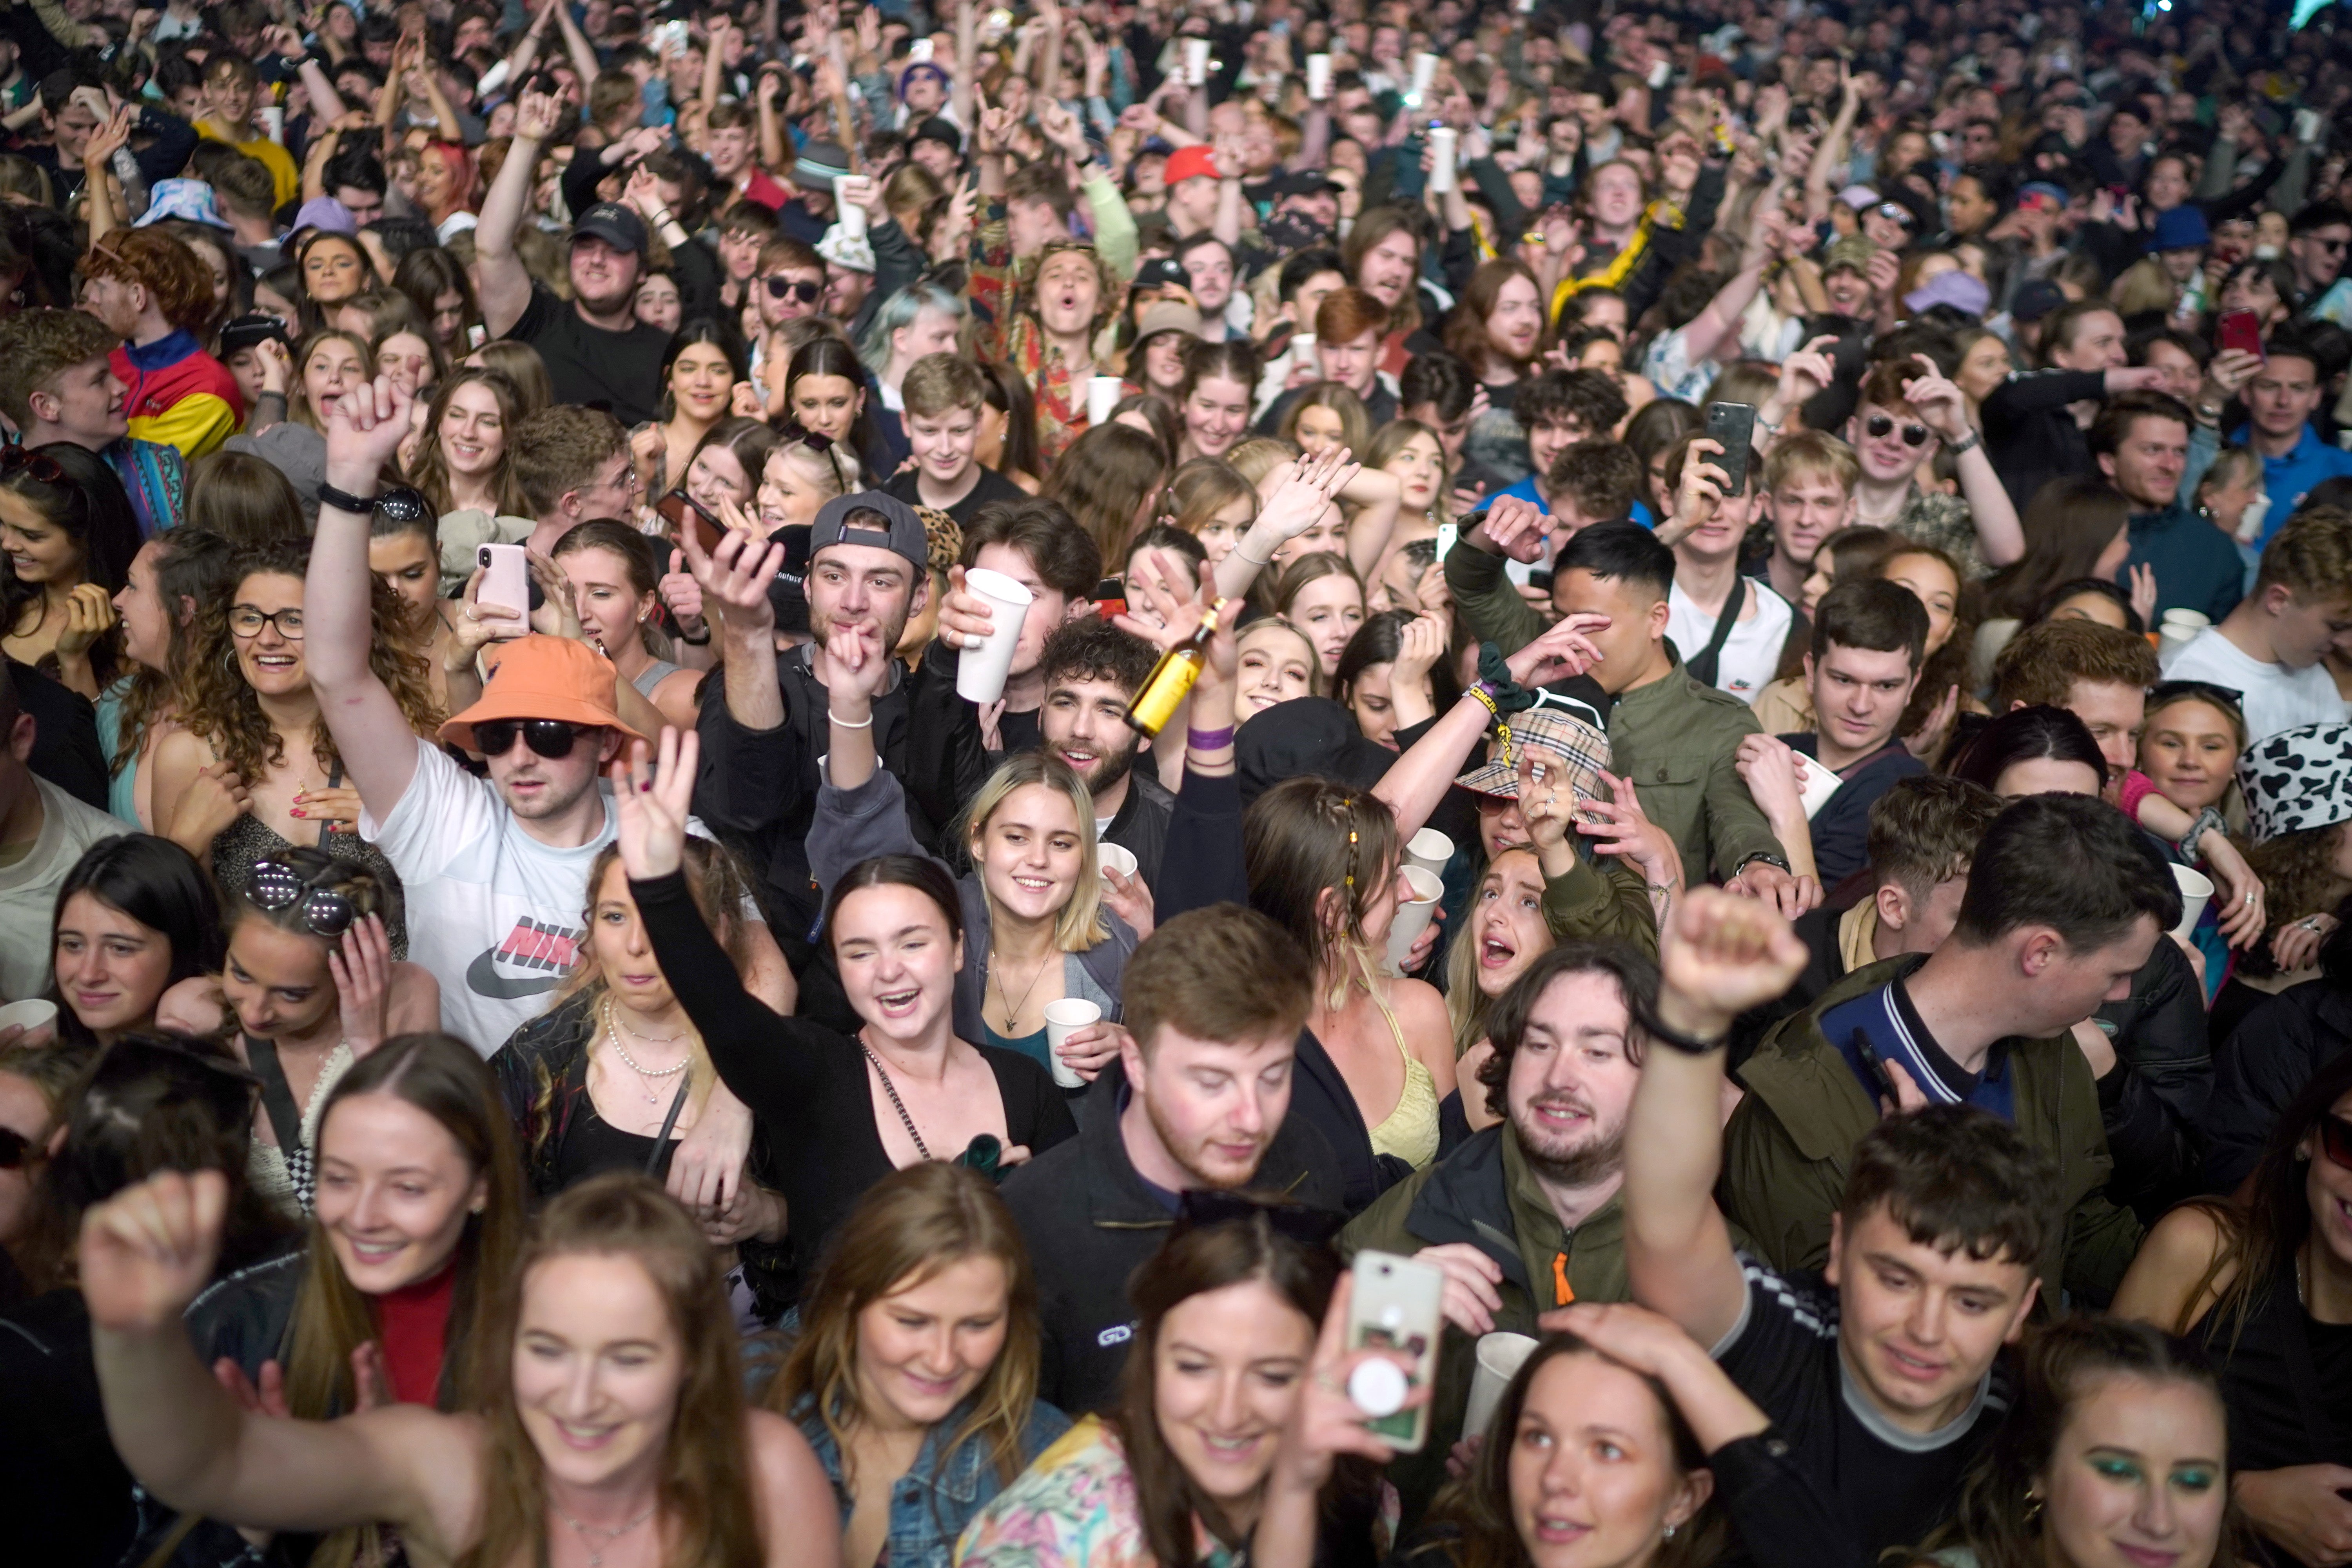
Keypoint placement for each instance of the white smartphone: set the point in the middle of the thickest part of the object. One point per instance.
(506, 585)
(919, 52)
(1398, 1305)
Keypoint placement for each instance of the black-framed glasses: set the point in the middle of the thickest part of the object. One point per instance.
(2165, 692)
(246, 621)
(40, 466)
(1914, 432)
(551, 738)
(275, 885)
(801, 289)
(2336, 1139)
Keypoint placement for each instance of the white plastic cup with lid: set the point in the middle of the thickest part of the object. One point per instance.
(1063, 1019)
(1412, 916)
(1102, 396)
(1318, 77)
(1500, 1356)
(980, 671)
(2196, 892)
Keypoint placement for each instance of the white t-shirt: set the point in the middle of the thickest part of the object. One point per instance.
(494, 914)
(2276, 698)
(1753, 650)
(28, 887)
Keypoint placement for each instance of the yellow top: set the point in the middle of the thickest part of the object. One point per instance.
(283, 174)
(1410, 1132)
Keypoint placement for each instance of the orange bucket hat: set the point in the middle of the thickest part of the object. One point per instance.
(544, 678)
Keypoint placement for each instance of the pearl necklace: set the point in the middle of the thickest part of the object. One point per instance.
(612, 1035)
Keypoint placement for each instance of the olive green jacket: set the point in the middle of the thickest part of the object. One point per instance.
(1789, 1147)
(1675, 740)
(1599, 897)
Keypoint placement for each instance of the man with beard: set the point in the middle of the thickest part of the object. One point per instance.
(764, 725)
(1199, 1100)
(596, 350)
(1524, 1217)
(1093, 670)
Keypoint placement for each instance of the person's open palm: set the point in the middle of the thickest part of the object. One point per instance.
(654, 795)
(1299, 499)
(1565, 649)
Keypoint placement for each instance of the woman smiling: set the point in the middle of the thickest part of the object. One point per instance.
(135, 916)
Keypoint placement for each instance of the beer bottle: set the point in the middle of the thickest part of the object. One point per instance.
(1172, 678)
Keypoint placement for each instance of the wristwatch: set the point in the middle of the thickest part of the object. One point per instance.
(1968, 443)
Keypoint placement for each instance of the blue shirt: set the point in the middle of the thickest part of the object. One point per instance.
(2196, 565)
(2287, 480)
(931, 1503)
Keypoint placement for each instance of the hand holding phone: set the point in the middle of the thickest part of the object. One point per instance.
(1396, 1304)
(1733, 426)
(2238, 329)
(505, 596)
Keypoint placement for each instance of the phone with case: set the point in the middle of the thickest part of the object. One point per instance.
(506, 585)
(1399, 1305)
(1732, 426)
(2239, 330)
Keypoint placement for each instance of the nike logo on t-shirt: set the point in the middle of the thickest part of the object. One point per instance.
(543, 953)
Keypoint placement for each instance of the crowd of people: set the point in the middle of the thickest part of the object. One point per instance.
(796, 784)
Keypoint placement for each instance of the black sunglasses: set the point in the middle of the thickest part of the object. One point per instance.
(806, 292)
(2336, 1139)
(40, 466)
(551, 738)
(1878, 424)
(2165, 692)
(275, 885)
(16, 1149)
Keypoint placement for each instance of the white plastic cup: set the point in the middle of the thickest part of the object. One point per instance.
(1196, 61)
(2171, 639)
(31, 1015)
(1302, 352)
(2190, 621)
(1425, 71)
(1441, 165)
(1318, 77)
(1102, 396)
(1500, 1356)
(2196, 892)
(1115, 858)
(853, 221)
(1063, 1019)
(1412, 917)
(1429, 850)
(273, 121)
(1819, 785)
(981, 671)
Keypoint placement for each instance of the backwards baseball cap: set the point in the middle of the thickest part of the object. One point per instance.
(614, 224)
(902, 533)
(938, 130)
(1303, 183)
(1189, 163)
(543, 677)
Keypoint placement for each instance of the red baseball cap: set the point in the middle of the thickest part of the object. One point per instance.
(1189, 164)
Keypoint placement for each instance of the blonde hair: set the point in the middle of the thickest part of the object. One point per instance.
(1260, 456)
(1081, 925)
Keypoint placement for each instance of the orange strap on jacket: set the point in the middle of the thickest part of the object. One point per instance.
(1562, 1292)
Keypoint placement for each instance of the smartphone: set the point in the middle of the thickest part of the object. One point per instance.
(1734, 425)
(684, 511)
(2306, 125)
(2239, 330)
(1398, 1305)
(506, 584)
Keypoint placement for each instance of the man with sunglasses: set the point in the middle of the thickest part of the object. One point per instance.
(2318, 237)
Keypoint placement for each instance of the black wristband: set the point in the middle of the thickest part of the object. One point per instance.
(1689, 1044)
(702, 641)
(344, 500)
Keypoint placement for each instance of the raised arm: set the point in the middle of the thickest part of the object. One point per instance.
(144, 1253)
(363, 430)
(1296, 495)
(501, 281)
(2001, 538)
(1718, 956)
(575, 43)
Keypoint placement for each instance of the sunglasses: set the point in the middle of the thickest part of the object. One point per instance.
(40, 466)
(275, 885)
(806, 292)
(551, 738)
(2336, 1139)
(1895, 212)
(2165, 692)
(2333, 246)
(1879, 425)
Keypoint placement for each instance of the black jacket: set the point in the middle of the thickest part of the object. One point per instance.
(2265, 1063)
(759, 787)
(1090, 1221)
(2154, 1100)
(2030, 436)
(1140, 826)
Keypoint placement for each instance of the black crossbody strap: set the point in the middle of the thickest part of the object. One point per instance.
(285, 1118)
(1704, 667)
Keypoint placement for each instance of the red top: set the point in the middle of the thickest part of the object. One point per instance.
(412, 1323)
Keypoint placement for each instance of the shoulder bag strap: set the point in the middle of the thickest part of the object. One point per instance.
(1704, 667)
(285, 1116)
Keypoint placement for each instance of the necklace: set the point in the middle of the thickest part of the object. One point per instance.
(611, 1533)
(612, 1035)
(897, 1104)
(1012, 1012)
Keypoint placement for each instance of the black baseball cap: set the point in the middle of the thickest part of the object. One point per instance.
(935, 129)
(905, 534)
(615, 224)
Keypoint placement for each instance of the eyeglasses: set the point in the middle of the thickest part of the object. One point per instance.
(275, 885)
(40, 466)
(245, 623)
(1878, 424)
(782, 287)
(551, 738)
(2336, 1139)
(2165, 692)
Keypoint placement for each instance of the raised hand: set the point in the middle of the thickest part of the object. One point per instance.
(2143, 592)
(146, 1251)
(1473, 1285)
(1294, 504)
(1619, 825)
(213, 799)
(1515, 527)
(89, 615)
(364, 428)
(1718, 955)
(733, 580)
(1179, 617)
(361, 967)
(1130, 899)
(537, 116)
(682, 592)
(1565, 648)
(1324, 1423)
(1940, 402)
(1807, 371)
(654, 805)
(854, 668)
(1702, 487)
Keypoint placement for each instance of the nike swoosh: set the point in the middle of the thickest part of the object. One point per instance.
(483, 979)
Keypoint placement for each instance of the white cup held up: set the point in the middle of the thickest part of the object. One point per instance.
(980, 671)
(1063, 1019)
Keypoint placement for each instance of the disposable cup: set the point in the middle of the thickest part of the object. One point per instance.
(1425, 71)
(853, 221)
(2195, 620)
(1500, 1356)
(1063, 1019)
(1114, 856)
(1819, 785)
(980, 671)
(1441, 165)
(1303, 351)
(2171, 639)
(1412, 917)
(1429, 850)
(2196, 892)
(29, 1016)
(1318, 77)
(1102, 396)
(1196, 61)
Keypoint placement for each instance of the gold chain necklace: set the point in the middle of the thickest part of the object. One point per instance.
(1011, 1013)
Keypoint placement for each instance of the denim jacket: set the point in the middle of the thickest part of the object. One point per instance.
(931, 1503)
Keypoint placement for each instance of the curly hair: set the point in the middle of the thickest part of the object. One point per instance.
(2298, 873)
(181, 283)
(220, 708)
